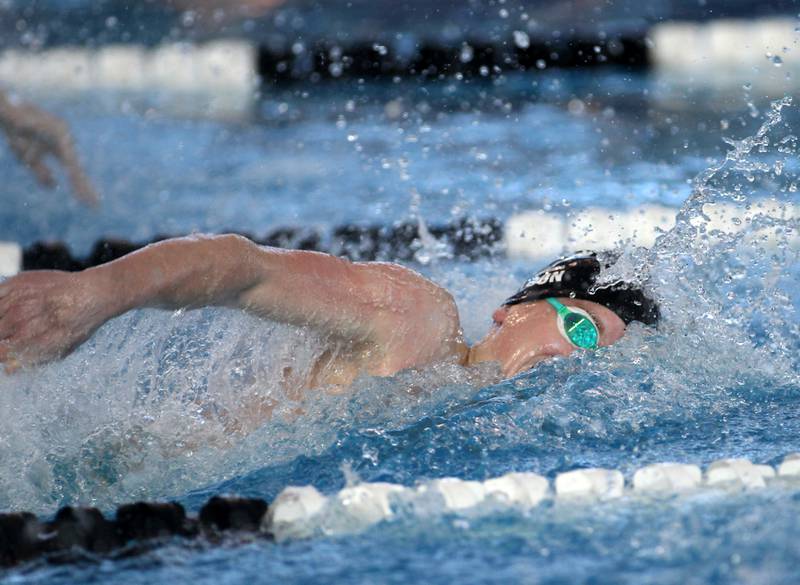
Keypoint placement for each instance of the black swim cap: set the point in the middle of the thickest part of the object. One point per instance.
(574, 276)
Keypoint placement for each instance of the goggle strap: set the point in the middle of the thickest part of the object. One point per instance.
(560, 308)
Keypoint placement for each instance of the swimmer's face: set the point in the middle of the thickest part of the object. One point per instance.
(525, 334)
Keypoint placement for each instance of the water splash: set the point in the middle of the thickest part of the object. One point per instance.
(144, 409)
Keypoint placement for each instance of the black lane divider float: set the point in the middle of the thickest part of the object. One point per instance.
(75, 533)
(465, 239)
(324, 60)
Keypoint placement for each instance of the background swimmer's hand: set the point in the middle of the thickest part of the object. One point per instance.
(44, 315)
(220, 12)
(33, 135)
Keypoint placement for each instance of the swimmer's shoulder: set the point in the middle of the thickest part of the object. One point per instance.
(424, 326)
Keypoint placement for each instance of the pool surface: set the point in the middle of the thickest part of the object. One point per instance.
(120, 419)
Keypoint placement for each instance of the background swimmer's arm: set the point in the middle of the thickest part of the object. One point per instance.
(33, 135)
(46, 314)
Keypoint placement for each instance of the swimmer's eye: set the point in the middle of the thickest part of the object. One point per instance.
(597, 323)
(576, 325)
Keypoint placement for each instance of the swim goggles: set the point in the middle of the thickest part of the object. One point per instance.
(576, 325)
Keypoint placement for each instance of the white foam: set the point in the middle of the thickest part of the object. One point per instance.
(738, 473)
(590, 483)
(294, 513)
(10, 259)
(667, 478)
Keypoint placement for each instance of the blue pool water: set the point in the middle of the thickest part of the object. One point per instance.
(118, 420)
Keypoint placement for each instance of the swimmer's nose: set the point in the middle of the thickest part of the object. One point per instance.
(500, 315)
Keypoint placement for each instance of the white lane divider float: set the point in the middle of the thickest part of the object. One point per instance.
(722, 51)
(10, 259)
(590, 483)
(303, 512)
(540, 234)
(738, 473)
(667, 478)
(217, 79)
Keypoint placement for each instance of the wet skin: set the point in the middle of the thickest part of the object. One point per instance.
(378, 318)
(525, 334)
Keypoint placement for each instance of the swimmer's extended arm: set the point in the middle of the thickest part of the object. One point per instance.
(46, 314)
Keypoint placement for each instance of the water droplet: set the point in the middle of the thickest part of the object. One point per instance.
(540, 64)
(467, 53)
(576, 107)
(503, 13)
(521, 39)
(775, 59)
(352, 137)
(188, 18)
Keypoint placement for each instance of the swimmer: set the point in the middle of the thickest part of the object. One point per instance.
(379, 318)
(33, 135)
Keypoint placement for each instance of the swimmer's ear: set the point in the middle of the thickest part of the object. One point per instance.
(499, 315)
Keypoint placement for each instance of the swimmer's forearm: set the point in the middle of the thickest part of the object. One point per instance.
(174, 274)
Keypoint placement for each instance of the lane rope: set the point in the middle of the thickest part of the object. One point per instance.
(303, 512)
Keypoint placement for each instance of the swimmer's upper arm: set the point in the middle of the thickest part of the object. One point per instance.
(376, 302)
(384, 306)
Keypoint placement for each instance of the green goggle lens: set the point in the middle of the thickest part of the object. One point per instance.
(576, 326)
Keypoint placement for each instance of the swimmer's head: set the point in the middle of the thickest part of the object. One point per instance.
(529, 327)
(576, 277)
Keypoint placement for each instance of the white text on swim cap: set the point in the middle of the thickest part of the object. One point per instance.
(548, 277)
